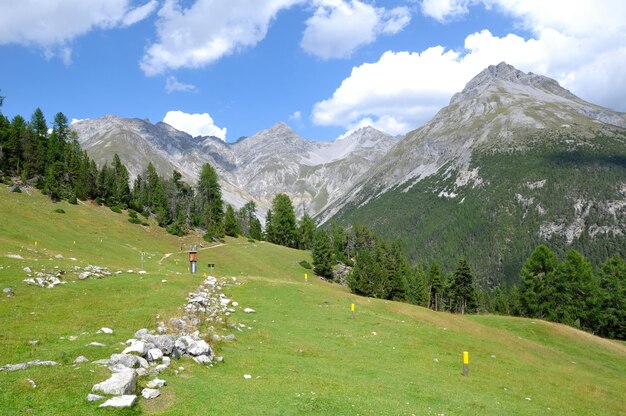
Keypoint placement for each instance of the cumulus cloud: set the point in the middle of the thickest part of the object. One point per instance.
(174, 85)
(53, 24)
(194, 124)
(402, 90)
(296, 116)
(208, 30)
(337, 27)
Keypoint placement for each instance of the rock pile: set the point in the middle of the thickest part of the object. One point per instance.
(52, 279)
(151, 352)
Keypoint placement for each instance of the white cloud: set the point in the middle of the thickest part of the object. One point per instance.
(194, 124)
(443, 10)
(338, 27)
(208, 30)
(296, 116)
(174, 85)
(77, 120)
(402, 90)
(53, 24)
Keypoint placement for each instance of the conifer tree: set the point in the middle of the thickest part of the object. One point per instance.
(436, 284)
(231, 224)
(256, 231)
(269, 226)
(323, 260)
(611, 313)
(462, 292)
(283, 222)
(536, 277)
(306, 232)
(210, 203)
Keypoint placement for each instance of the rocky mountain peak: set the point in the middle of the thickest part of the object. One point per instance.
(505, 78)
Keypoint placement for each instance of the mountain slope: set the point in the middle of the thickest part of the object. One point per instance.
(272, 161)
(513, 161)
(304, 352)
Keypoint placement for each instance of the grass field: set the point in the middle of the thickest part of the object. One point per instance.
(305, 353)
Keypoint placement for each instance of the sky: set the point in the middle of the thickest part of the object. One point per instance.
(230, 68)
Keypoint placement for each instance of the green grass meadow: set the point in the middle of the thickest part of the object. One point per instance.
(306, 354)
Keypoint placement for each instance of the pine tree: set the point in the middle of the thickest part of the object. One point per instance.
(306, 232)
(398, 273)
(611, 314)
(418, 288)
(256, 232)
(323, 261)
(463, 295)
(283, 222)
(269, 226)
(210, 203)
(246, 215)
(232, 227)
(436, 284)
(536, 276)
(574, 297)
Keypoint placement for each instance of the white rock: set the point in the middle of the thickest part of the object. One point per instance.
(119, 383)
(27, 269)
(202, 359)
(249, 310)
(159, 368)
(224, 301)
(235, 304)
(247, 376)
(199, 348)
(84, 275)
(150, 393)
(32, 383)
(120, 401)
(141, 272)
(96, 344)
(104, 330)
(80, 359)
(156, 383)
(141, 372)
(138, 347)
(58, 256)
(94, 397)
(154, 354)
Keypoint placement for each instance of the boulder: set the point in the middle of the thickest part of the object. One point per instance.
(104, 330)
(150, 393)
(28, 269)
(154, 354)
(182, 343)
(141, 372)
(119, 383)
(163, 342)
(120, 401)
(200, 347)
(138, 347)
(8, 291)
(249, 310)
(156, 383)
(142, 333)
(229, 337)
(127, 360)
(202, 359)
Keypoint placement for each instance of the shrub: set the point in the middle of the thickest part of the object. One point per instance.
(132, 217)
(305, 264)
(116, 208)
(59, 211)
(72, 200)
(251, 240)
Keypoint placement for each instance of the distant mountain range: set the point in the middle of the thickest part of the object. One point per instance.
(513, 161)
(258, 167)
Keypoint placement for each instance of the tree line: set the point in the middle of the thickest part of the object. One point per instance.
(566, 291)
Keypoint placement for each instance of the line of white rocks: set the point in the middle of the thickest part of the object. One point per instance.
(151, 352)
(51, 279)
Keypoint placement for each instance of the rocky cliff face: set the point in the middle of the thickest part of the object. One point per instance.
(269, 162)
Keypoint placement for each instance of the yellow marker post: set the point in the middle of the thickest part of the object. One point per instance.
(35, 244)
(306, 277)
(465, 363)
(352, 309)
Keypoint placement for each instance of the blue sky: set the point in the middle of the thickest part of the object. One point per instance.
(233, 67)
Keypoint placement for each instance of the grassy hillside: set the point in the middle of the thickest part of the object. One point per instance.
(558, 187)
(304, 352)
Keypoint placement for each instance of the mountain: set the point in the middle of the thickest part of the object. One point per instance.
(258, 167)
(513, 161)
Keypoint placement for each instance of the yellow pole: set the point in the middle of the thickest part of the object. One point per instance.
(352, 309)
(465, 363)
(306, 277)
